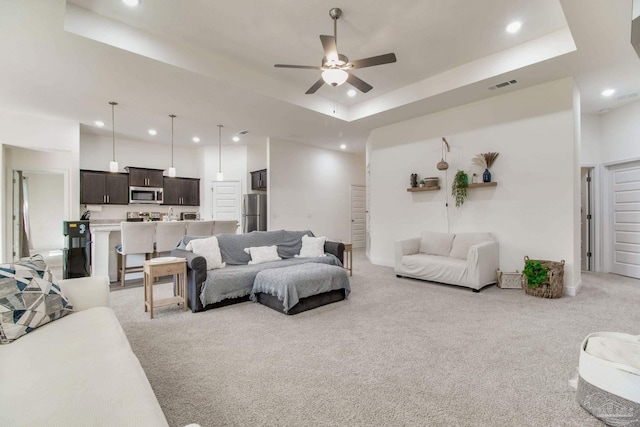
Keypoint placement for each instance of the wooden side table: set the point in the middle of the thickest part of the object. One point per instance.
(176, 268)
(348, 257)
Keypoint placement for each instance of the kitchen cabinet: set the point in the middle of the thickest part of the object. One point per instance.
(104, 188)
(181, 191)
(259, 180)
(141, 177)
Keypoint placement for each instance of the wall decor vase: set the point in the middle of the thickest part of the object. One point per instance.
(486, 176)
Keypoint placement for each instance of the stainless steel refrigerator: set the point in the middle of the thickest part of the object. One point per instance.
(254, 212)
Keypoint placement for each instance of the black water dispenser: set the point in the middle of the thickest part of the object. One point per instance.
(77, 253)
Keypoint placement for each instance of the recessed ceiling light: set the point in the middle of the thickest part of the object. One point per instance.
(608, 92)
(153, 132)
(343, 146)
(236, 138)
(196, 139)
(132, 3)
(99, 123)
(514, 27)
(351, 92)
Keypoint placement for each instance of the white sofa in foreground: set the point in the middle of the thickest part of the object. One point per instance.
(78, 370)
(463, 259)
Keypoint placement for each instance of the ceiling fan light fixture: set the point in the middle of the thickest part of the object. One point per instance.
(334, 76)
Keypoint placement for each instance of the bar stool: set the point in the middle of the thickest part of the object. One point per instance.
(199, 228)
(168, 234)
(137, 238)
(225, 227)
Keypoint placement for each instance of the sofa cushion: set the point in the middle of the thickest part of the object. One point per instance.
(209, 249)
(29, 298)
(463, 241)
(435, 243)
(260, 254)
(312, 247)
(232, 245)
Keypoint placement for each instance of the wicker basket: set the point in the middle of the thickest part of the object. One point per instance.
(509, 280)
(552, 286)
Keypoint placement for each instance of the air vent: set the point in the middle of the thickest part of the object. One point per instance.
(629, 95)
(243, 132)
(503, 84)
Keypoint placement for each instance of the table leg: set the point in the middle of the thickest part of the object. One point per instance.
(144, 285)
(150, 281)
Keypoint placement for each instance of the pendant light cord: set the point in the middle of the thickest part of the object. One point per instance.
(219, 148)
(173, 116)
(113, 130)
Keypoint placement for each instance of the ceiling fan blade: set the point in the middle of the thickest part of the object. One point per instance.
(315, 87)
(358, 83)
(305, 67)
(374, 60)
(330, 47)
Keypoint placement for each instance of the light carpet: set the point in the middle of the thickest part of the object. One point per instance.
(398, 352)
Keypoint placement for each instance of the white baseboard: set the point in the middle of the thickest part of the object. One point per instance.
(572, 291)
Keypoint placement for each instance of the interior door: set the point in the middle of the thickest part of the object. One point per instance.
(625, 220)
(358, 215)
(227, 197)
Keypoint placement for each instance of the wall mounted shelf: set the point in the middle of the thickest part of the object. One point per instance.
(483, 184)
(416, 189)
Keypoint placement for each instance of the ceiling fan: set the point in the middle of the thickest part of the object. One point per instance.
(336, 68)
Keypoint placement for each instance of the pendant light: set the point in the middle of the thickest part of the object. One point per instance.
(172, 170)
(113, 165)
(220, 176)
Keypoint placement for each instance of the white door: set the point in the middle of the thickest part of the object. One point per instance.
(227, 201)
(358, 217)
(625, 257)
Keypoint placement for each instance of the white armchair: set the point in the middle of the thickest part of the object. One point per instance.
(464, 259)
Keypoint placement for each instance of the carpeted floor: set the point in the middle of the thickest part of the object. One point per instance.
(397, 352)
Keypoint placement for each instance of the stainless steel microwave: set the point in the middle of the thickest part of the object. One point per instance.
(145, 195)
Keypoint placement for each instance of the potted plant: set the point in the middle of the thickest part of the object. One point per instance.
(459, 187)
(421, 183)
(543, 278)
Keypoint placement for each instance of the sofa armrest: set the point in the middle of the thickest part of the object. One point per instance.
(196, 275)
(406, 247)
(335, 248)
(86, 292)
(483, 259)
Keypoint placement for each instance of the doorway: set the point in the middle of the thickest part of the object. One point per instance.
(227, 201)
(358, 216)
(38, 213)
(624, 223)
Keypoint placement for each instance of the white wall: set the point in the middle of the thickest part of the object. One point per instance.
(531, 211)
(590, 149)
(46, 209)
(620, 134)
(309, 188)
(51, 144)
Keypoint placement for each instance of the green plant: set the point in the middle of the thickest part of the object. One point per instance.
(459, 187)
(422, 182)
(536, 273)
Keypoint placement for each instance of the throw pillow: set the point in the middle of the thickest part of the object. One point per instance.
(312, 247)
(260, 254)
(434, 243)
(463, 241)
(209, 249)
(29, 298)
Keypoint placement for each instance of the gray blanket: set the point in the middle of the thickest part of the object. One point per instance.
(235, 281)
(290, 284)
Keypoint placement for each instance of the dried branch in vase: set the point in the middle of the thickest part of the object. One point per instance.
(490, 158)
(485, 160)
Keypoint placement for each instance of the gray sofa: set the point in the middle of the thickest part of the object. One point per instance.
(233, 283)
